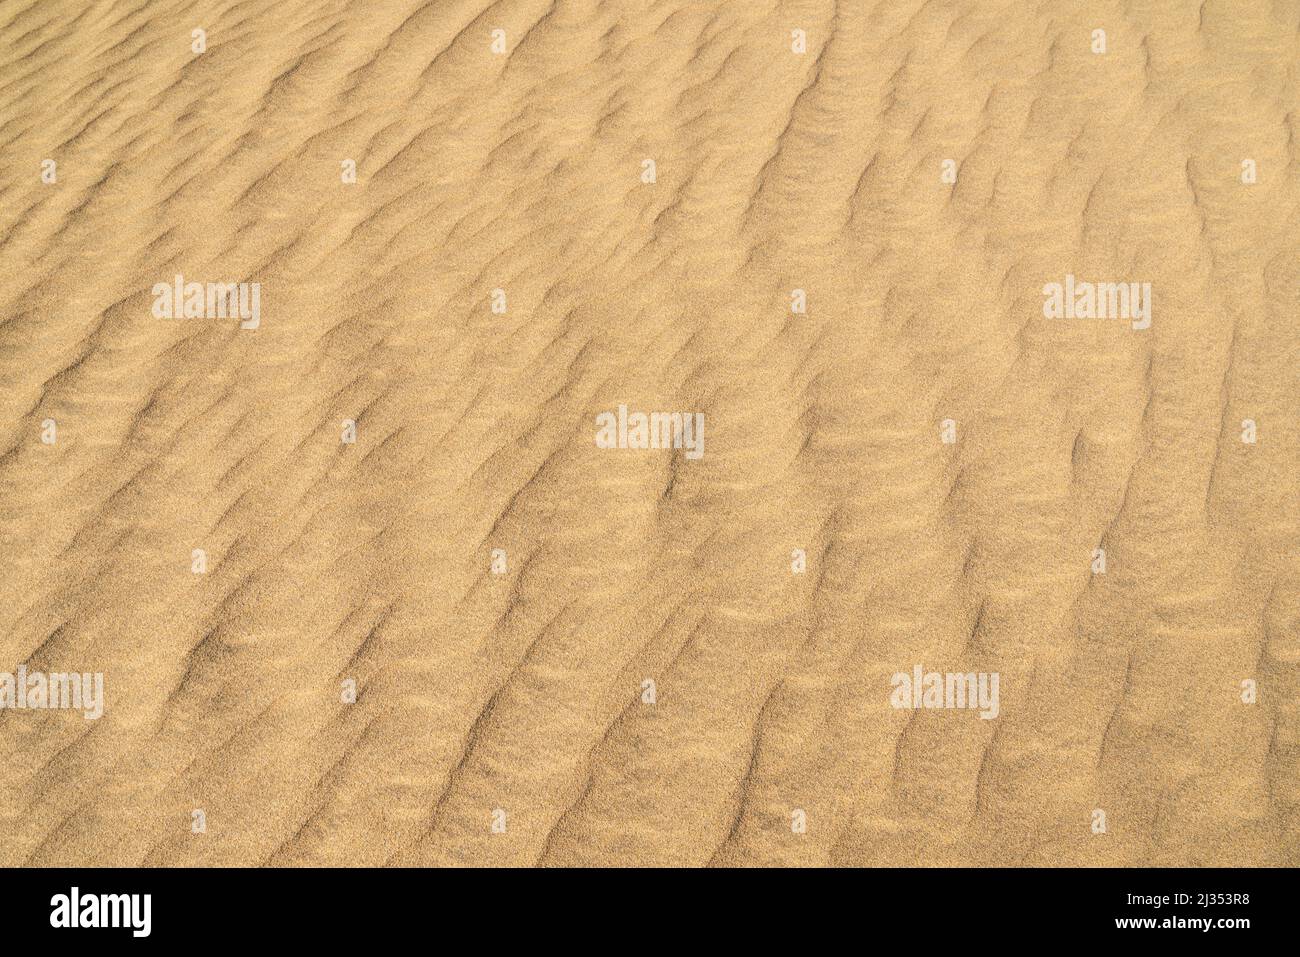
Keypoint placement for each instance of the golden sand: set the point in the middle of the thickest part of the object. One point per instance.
(916, 469)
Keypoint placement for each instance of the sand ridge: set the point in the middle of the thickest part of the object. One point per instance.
(504, 269)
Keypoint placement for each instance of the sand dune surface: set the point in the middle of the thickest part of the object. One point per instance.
(966, 337)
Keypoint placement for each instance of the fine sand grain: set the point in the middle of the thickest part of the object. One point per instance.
(904, 464)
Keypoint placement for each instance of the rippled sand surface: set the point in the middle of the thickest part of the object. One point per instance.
(502, 271)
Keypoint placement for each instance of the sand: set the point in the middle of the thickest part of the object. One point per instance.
(392, 479)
